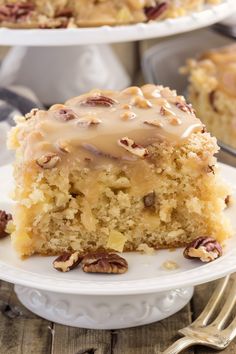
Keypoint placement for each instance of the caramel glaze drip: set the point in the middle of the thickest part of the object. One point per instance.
(107, 125)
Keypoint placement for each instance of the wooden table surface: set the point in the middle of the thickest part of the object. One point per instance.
(22, 332)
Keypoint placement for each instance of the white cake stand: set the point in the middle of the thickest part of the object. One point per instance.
(76, 63)
(148, 292)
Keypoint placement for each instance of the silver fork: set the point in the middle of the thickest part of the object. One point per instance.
(211, 334)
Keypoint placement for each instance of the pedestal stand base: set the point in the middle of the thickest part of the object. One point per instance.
(103, 312)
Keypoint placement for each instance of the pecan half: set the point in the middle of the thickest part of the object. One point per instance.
(207, 249)
(131, 146)
(104, 263)
(65, 114)
(15, 12)
(153, 12)
(48, 161)
(149, 199)
(67, 261)
(4, 218)
(98, 100)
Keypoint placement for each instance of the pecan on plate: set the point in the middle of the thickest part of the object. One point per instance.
(98, 100)
(153, 12)
(104, 263)
(207, 249)
(4, 218)
(67, 261)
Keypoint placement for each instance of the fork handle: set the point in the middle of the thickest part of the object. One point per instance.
(180, 345)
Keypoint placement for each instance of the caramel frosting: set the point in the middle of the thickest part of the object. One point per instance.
(107, 124)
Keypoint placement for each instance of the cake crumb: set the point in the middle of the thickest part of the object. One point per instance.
(144, 248)
(170, 265)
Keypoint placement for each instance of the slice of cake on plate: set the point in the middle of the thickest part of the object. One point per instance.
(212, 91)
(83, 13)
(123, 171)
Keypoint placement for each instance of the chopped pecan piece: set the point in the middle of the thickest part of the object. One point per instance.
(128, 115)
(210, 169)
(67, 261)
(32, 113)
(89, 120)
(207, 249)
(131, 146)
(175, 120)
(149, 199)
(16, 12)
(185, 107)
(4, 219)
(153, 12)
(154, 123)
(141, 102)
(165, 111)
(48, 161)
(104, 263)
(98, 100)
(66, 114)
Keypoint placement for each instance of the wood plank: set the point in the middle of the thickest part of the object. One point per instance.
(201, 296)
(153, 338)
(70, 340)
(21, 331)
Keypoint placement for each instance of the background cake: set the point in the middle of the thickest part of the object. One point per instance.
(123, 171)
(70, 13)
(212, 91)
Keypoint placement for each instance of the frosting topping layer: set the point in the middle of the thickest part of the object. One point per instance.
(117, 125)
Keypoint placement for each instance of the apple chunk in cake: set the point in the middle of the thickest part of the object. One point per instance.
(120, 171)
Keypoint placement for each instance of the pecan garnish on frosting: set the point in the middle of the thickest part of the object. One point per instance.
(48, 161)
(4, 219)
(207, 249)
(154, 123)
(185, 107)
(65, 114)
(104, 263)
(131, 146)
(98, 100)
(153, 12)
(67, 261)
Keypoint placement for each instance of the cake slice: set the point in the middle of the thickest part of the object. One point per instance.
(122, 171)
(212, 91)
(88, 13)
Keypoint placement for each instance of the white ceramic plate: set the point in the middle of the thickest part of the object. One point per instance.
(107, 34)
(145, 274)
